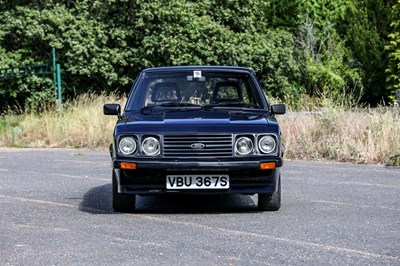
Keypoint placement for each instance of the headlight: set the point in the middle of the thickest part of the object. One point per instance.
(243, 146)
(267, 144)
(151, 146)
(127, 145)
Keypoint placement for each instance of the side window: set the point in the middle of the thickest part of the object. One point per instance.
(245, 88)
(227, 91)
(253, 98)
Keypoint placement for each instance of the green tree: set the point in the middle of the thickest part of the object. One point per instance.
(184, 34)
(323, 56)
(295, 46)
(284, 14)
(323, 11)
(102, 45)
(393, 48)
(365, 29)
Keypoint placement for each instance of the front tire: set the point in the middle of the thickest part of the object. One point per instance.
(267, 202)
(121, 202)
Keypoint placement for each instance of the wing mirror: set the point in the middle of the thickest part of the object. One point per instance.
(112, 109)
(278, 109)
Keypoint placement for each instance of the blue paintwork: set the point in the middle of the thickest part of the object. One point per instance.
(228, 120)
(178, 68)
(196, 122)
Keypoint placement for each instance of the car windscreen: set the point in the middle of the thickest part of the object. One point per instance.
(194, 88)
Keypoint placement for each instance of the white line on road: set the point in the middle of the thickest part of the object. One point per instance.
(82, 177)
(38, 201)
(51, 203)
(338, 166)
(101, 164)
(3, 170)
(31, 226)
(69, 176)
(354, 205)
(280, 239)
(319, 181)
(368, 184)
(232, 231)
(128, 240)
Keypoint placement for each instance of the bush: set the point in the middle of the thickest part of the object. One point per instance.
(102, 45)
(394, 160)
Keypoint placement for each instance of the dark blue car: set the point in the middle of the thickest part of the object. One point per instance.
(196, 129)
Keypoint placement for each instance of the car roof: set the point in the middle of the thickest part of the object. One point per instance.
(180, 68)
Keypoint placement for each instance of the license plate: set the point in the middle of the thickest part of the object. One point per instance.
(197, 181)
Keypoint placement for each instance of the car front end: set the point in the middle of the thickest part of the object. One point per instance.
(195, 144)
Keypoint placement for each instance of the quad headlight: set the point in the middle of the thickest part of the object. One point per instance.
(244, 146)
(151, 146)
(267, 144)
(127, 145)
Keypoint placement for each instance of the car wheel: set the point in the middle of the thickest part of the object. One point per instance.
(121, 202)
(267, 202)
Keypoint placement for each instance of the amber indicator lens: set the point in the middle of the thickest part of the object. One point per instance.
(267, 166)
(128, 166)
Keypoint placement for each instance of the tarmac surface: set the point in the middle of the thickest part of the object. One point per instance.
(55, 209)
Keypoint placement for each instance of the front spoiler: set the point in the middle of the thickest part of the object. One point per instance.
(199, 165)
(203, 166)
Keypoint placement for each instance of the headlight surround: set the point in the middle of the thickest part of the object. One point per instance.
(151, 146)
(267, 144)
(244, 146)
(127, 145)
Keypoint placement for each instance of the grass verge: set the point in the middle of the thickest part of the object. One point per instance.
(359, 136)
(80, 125)
(336, 133)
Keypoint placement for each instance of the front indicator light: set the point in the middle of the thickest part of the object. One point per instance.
(268, 166)
(127, 166)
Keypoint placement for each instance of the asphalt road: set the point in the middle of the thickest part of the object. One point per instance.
(55, 209)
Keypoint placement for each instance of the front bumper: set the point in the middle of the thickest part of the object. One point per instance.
(149, 177)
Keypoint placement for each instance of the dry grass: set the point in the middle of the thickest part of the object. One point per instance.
(360, 135)
(82, 124)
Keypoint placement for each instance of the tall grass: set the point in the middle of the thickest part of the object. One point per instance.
(337, 132)
(360, 136)
(80, 125)
(337, 128)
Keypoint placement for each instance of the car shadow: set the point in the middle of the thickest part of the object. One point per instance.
(98, 200)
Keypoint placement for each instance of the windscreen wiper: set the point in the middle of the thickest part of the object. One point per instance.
(168, 104)
(178, 104)
(232, 104)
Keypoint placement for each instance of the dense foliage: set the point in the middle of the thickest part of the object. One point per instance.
(295, 47)
(393, 47)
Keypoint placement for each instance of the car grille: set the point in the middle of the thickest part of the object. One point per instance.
(215, 146)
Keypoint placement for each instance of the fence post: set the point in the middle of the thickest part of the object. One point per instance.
(59, 87)
(53, 53)
(396, 104)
